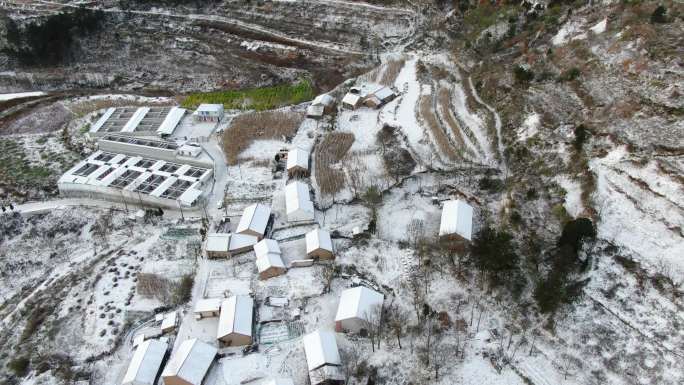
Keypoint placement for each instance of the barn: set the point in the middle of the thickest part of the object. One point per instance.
(254, 220)
(146, 363)
(235, 322)
(268, 259)
(319, 245)
(298, 205)
(217, 245)
(297, 163)
(358, 306)
(190, 364)
(457, 220)
(323, 358)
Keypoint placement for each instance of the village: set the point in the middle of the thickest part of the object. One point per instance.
(156, 158)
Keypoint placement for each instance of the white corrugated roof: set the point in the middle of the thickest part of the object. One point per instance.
(318, 239)
(208, 304)
(352, 99)
(169, 320)
(297, 158)
(218, 242)
(280, 381)
(240, 241)
(315, 111)
(145, 363)
(383, 93)
(268, 260)
(297, 198)
(236, 316)
(189, 197)
(171, 121)
(135, 120)
(321, 349)
(96, 127)
(210, 107)
(191, 362)
(266, 246)
(357, 302)
(255, 218)
(457, 218)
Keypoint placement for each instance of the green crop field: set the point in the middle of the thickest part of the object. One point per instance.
(259, 99)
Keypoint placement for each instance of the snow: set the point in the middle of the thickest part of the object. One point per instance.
(457, 218)
(217, 242)
(600, 27)
(530, 127)
(358, 302)
(18, 95)
(145, 363)
(191, 361)
(236, 316)
(321, 349)
(569, 31)
(573, 195)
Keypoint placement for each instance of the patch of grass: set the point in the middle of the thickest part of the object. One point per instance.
(17, 175)
(19, 366)
(569, 75)
(331, 150)
(246, 128)
(260, 99)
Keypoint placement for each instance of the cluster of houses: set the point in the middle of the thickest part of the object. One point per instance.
(369, 95)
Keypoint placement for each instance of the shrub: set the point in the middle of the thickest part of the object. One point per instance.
(522, 75)
(183, 292)
(19, 366)
(569, 75)
(373, 196)
(659, 15)
(494, 254)
(581, 135)
(259, 99)
(491, 185)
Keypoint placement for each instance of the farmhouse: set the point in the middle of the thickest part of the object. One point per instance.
(208, 307)
(358, 306)
(254, 220)
(323, 358)
(136, 180)
(145, 365)
(217, 245)
(190, 363)
(320, 106)
(208, 113)
(297, 163)
(457, 220)
(138, 121)
(319, 245)
(241, 243)
(298, 203)
(235, 322)
(268, 259)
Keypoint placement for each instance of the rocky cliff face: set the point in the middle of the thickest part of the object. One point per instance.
(224, 45)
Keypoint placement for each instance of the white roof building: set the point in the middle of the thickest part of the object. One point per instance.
(235, 322)
(145, 363)
(298, 204)
(319, 244)
(169, 322)
(190, 363)
(218, 244)
(351, 100)
(268, 259)
(240, 243)
(209, 109)
(208, 307)
(321, 349)
(315, 111)
(356, 306)
(457, 219)
(384, 94)
(169, 124)
(297, 159)
(323, 100)
(254, 220)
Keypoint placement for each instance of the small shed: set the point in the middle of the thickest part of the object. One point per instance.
(209, 113)
(315, 112)
(169, 322)
(297, 163)
(254, 220)
(297, 202)
(358, 306)
(208, 307)
(190, 364)
(322, 357)
(241, 243)
(384, 95)
(457, 220)
(268, 259)
(145, 365)
(235, 322)
(325, 100)
(372, 101)
(319, 245)
(351, 101)
(217, 245)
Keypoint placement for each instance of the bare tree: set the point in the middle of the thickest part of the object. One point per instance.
(350, 357)
(372, 324)
(441, 354)
(397, 319)
(326, 274)
(416, 231)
